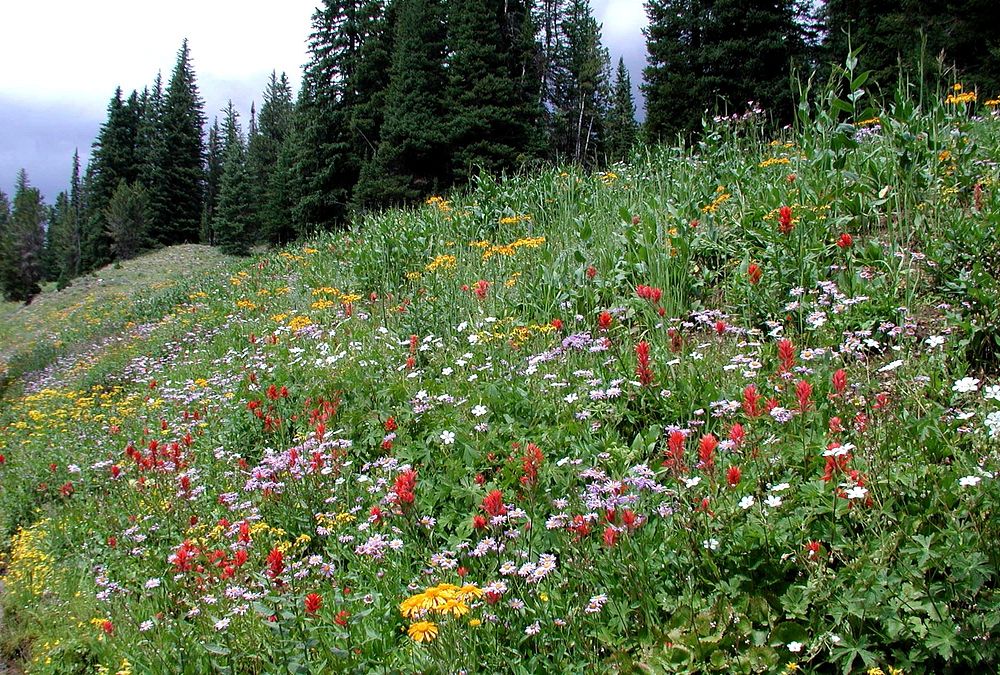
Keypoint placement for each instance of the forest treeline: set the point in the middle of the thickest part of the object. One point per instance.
(401, 99)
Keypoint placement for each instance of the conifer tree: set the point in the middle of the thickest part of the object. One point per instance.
(492, 110)
(229, 225)
(621, 128)
(113, 160)
(151, 154)
(182, 167)
(411, 161)
(325, 161)
(214, 159)
(270, 206)
(22, 242)
(583, 99)
(127, 218)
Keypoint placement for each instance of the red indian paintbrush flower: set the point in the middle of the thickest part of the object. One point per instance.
(786, 353)
(845, 240)
(785, 222)
(643, 370)
(493, 504)
(754, 273)
(313, 602)
(406, 482)
(675, 452)
(530, 463)
(840, 381)
(803, 392)
(733, 476)
(706, 452)
(751, 400)
(604, 320)
(275, 562)
(736, 434)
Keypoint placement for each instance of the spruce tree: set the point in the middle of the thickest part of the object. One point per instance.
(113, 159)
(182, 167)
(150, 154)
(270, 207)
(411, 161)
(214, 160)
(492, 110)
(229, 225)
(22, 243)
(583, 99)
(621, 128)
(325, 163)
(127, 218)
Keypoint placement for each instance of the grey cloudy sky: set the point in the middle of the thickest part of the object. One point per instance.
(62, 61)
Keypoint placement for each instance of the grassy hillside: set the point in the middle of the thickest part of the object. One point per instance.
(731, 408)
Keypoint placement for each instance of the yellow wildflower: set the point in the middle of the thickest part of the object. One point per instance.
(423, 631)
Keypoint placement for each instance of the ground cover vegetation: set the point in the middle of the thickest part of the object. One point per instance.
(726, 406)
(403, 99)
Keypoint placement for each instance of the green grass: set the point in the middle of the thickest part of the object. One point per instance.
(568, 393)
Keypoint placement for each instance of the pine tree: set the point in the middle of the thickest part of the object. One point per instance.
(113, 160)
(182, 168)
(411, 161)
(492, 110)
(151, 154)
(708, 56)
(127, 218)
(325, 163)
(214, 159)
(912, 35)
(232, 214)
(22, 243)
(270, 206)
(585, 91)
(621, 127)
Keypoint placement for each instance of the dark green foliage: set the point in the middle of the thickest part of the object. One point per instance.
(232, 213)
(270, 208)
(127, 218)
(22, 242)
(182, 168)
(491, 108)
(621, 128)
(714, 57)
(411, 161)
(214, 159)
(582, 100)
(151, 153)
(892, 37)
(327, 158)
(113, 160)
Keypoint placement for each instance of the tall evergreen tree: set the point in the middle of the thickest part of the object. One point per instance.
(182, 168)
(411, 161)
(492, 111)
(270, 207)
(232, 214)
(621, 127)
(214, 159)
(151, 154)
(22, 243)
(113, 159)
(127, 218)
(911, 35)
(583, 98)
(326, 162)
(716, 55)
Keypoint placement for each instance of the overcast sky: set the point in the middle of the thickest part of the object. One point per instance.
(62, 61)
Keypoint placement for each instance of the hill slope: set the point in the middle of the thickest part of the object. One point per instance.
(728, 408)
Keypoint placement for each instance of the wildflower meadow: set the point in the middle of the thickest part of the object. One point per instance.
(726, 407)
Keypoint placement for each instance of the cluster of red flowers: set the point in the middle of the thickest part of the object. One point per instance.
(643, 370)
(650, 293)
(754, 273)
(674, 460)
(531, 461)
(406, 482)
(785, 222)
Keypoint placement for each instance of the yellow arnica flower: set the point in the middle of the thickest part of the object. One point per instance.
(423, 631)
